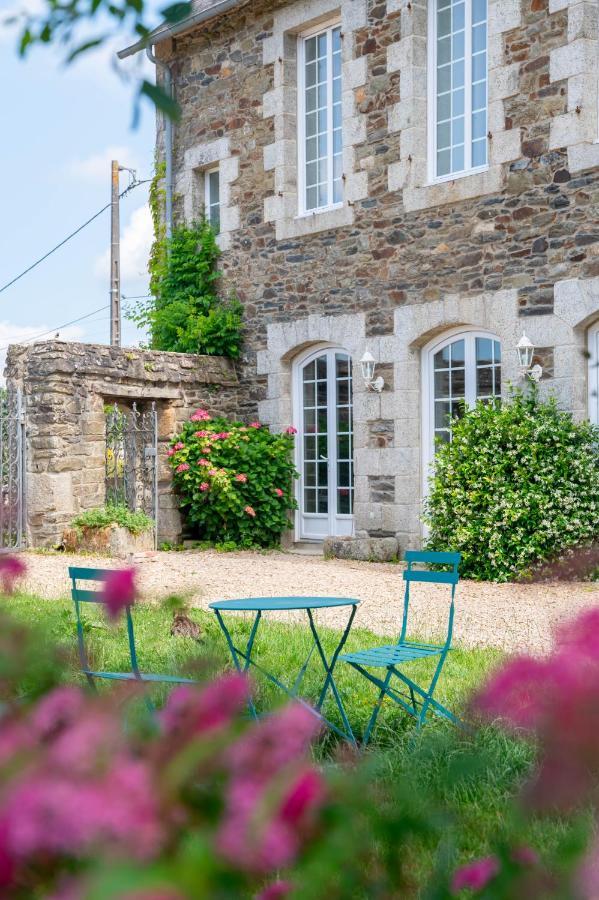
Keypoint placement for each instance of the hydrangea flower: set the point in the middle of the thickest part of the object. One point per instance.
(179, 445)
(279, 492)
(290, 430)
(200, 415)
(255, 425)
(250, 511)
(204, 486)
(11, 569)
(184, 467)
(476, 875)
(241, 478)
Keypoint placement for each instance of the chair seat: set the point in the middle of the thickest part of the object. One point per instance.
(392, 654)
(142, 676)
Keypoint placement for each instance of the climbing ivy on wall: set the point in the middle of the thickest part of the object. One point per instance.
(186, 314)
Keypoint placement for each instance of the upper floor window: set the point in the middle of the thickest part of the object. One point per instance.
(319, 119)
(212, 198)
(458, 78)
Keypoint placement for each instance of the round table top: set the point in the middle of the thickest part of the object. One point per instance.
(273, 604)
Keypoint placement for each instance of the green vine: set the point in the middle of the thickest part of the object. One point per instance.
(185, 313)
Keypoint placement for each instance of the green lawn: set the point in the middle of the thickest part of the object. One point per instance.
(471, 776)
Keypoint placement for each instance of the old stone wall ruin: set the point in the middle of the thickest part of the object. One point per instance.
(66, 387)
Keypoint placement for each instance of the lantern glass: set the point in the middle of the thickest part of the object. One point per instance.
(525, 353)
(367, 365)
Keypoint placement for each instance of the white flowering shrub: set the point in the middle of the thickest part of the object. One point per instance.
(518, 484)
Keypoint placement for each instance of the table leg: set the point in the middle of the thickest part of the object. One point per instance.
(247, 656)
(329, 681)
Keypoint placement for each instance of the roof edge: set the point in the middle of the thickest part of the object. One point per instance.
(165, 31)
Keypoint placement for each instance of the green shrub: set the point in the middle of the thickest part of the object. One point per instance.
(235, 481)
(518, 483)
(186, 313)
(103, 516)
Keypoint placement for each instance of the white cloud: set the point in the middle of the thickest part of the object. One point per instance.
(136, 241)
(97, 166)
(23, 334)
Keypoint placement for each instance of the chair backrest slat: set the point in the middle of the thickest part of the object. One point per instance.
(84, 595)
(431, 577)
(431, 558)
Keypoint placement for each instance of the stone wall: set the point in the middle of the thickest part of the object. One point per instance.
(516, 246)
(66, 387)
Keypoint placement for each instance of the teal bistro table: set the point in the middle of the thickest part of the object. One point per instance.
(242, 658)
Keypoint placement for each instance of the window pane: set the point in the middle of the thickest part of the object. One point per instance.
(484, 351)
(458, 349)
(344, 501)
(452, 69)
(484, 381)
(323, 500)
(458, 382)
(309, 501)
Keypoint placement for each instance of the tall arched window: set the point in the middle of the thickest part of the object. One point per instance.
(594, 373)
(459, 368)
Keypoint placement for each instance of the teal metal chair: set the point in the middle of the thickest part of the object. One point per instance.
(413, 698)
(85, 595)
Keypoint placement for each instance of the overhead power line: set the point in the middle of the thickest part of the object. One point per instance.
(58, 328)
(130, 187)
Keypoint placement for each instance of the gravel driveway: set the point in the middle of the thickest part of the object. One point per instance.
(510, 616)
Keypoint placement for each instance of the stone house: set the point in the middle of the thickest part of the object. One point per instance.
(417, 180)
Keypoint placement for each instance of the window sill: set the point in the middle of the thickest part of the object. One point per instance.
(320, 211)
(456, 176)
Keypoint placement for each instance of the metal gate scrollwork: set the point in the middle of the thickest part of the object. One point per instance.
(12, 470)
(132, 459)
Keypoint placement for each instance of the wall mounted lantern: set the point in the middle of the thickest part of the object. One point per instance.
(526, 350)
(368, 365)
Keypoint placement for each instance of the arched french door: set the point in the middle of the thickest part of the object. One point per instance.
(458, 368)
(323, 402)
(593, 338)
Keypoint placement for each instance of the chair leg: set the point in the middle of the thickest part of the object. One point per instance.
(377, 709)
(429, 694)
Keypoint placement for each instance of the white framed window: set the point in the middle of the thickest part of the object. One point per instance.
(593, 376)
(212, 197)
(320, 142)
(457, 76)
(459, 369)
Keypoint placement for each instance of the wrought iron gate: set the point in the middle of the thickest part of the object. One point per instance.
(132, 459)
(12, 471)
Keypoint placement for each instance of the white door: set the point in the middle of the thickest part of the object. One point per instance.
(594, 374)
(325, 445)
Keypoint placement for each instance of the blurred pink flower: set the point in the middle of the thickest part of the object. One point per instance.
(212, 472)
(52, 812)
(196, 709)
(476, 875)
(201, 434)
(255, 425)
(179, 445)
(7, 866)
(250, 511)
(118, 591)
(516, 692)
(170, 451)
(275, 891)
(290, 430)
(222, 435)
(204, 486)
(241, 478)
(525, 856)
(55, 710)
(203, 462)
(11, 569)
(279, 492)
(200, 415)
(184, 467)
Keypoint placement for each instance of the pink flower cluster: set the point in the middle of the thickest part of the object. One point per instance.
(241, 478)
(183, 467)
(11, 569)
(204, 487)
(222, 435)
(82, 789)
(290, 430)
(250, 511)
(556, 698)
(255, 425)
(200, 415)
(118, 591)
(179, 445)
(279, 492)
(273, 794)
(202, 434)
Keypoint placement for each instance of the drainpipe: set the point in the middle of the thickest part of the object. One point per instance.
(168, 142)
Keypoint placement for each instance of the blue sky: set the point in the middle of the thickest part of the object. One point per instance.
(61, 126)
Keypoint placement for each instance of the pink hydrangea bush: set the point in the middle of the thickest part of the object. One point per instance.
(235, 482)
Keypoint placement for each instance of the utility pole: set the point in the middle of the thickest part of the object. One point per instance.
(115, 260)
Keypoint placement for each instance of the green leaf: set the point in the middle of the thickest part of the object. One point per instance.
(161, 100)
(176, 12)
(82, 48)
